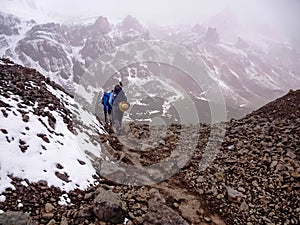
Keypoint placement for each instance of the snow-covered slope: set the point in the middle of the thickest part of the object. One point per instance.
(44, 134)
(63, 52)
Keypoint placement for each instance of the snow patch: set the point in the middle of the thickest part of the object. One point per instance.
(2, 198)
(64, 200)
(24, 183)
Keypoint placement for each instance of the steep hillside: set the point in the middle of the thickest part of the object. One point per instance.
(254, 178)
(63, 52)
(44, 132)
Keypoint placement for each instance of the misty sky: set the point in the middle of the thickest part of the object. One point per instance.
(155, 11)
(283, 14)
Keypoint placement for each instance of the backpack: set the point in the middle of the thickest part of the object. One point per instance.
(105, 98)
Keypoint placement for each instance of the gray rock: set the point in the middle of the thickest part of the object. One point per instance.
(15, 218)
(49, 208)
(163, 215)
(234, 195)
(108, 207)
(243, 206)
(52, 222)
(207, 219)
(84, 213)
(146, 147)
(241, 189)
(291, 155)
(64, 221)
(200, 179)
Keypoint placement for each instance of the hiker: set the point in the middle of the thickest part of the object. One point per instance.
(117, 111)
(107, 100)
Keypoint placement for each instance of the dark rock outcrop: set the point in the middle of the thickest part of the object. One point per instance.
(107, 206)
(212, 36)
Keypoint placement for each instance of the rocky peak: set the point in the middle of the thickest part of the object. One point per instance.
(131, 22)
(212, 36)
(128, 30)
(227, 24)
(8, 24)
(102, 25)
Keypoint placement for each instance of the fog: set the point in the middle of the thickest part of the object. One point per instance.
(282, 15)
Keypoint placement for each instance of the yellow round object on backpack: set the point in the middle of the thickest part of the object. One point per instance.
(124, 106)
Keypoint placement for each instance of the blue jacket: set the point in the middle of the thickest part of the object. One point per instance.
(106, 100)
(111, 99)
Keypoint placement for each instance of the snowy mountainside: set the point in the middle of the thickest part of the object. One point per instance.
(64, 52)
(44, 134)
(12, 30)
(249, 72)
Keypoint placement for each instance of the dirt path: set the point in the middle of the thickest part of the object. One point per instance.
(136, 147)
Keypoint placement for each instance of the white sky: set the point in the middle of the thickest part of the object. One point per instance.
(154, 11)
(284, 14)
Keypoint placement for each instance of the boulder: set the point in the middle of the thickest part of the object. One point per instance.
(159, 213)
(108, 207)
(15, 218)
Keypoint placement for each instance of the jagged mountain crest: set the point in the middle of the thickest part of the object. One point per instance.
(212, 36)
(131, 23)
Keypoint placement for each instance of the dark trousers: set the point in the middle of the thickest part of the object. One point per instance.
(107, 115)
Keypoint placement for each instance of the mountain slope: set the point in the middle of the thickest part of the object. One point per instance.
(259, 159)
(253, 179)
(250, 73)
(44, 134)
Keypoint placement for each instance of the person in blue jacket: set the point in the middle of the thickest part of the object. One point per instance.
(107, 101)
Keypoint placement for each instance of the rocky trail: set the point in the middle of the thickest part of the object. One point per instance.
(253, 180)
